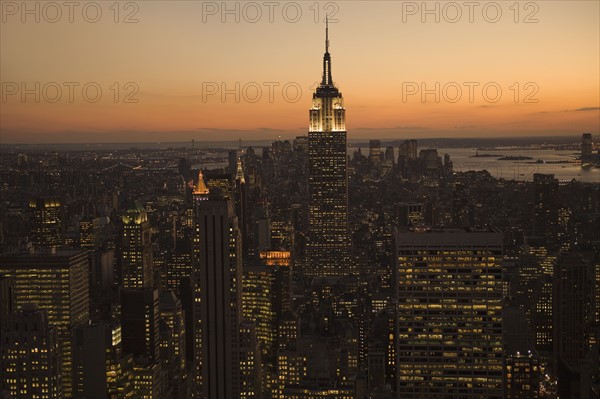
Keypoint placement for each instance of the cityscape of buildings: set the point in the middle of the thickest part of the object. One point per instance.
(297, 270)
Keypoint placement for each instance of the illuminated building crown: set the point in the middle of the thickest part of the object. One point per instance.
(200, 188)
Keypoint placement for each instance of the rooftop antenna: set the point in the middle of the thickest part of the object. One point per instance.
(326, 34)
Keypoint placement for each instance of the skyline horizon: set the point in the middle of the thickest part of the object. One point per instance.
(574, 136)
(492, 83)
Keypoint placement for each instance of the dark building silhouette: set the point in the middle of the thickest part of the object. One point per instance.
(586, 146)
(103, 369)
(217, 295)
(573, 325)
(139, 321)
(7, 299)
(545, 212)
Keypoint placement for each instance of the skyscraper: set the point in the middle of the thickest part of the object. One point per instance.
(586, 146)
(408, 150)
(46, 222)
(449, 313)
(137, 248)
(545, 216)
(217, 295)
(172, 340)
(573, 324)
(328, 247)
(375, 153)
(139, 320)
(57, 282)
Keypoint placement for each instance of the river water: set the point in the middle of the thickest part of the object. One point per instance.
(463, 160)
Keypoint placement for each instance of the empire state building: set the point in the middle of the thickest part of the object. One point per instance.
(328, 246)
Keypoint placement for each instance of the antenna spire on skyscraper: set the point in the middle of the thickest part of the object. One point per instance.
(327, 80)
(327, 34)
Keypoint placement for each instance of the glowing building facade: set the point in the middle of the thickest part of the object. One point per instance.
(57, 282)
(328, 247)
(137, 249)
(46, 222)
(449, 313)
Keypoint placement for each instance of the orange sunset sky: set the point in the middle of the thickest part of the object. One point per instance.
(179, 52)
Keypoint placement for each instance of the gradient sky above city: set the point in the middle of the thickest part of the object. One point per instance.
(179, 52)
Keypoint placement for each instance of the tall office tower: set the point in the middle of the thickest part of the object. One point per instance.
(408, 150)
(46, 222)
(586, 146)
(232, 158)
(258, 292)
(280, 262)
(545, 213)
(139, 321)
(217, 296)
(573, 304)
(136, 258)
(241, 205)
(29, 356)
(412, 149)
(328, 247)
(449, 313)
(258, 307)
(430, 159)
(57, 281)
(172, 338)
(375, 153)
(534, 291)
(387, 160)
(103, 370)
